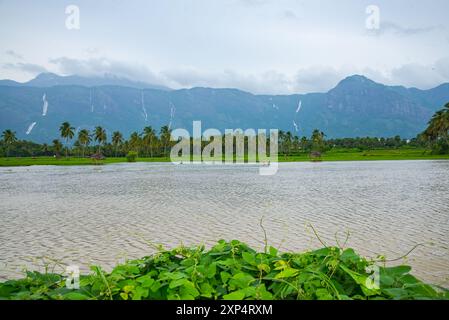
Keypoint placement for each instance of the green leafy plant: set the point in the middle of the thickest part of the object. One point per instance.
(233, 271)
(131, 156)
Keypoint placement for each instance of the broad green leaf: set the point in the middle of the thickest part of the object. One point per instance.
(177, 283)
(124, 296)
(287, 273)
(236, 295)
(75, 296)
(249, 258)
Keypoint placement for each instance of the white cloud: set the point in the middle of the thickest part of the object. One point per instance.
(29, 68)
(101, 66)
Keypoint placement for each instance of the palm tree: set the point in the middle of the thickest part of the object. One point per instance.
(57, 147)
(9, 137)
(135, 141)
(100, 136)
(438, 125)
(437, 132)
(304, 142)
(317, 140)
(45, 149)
(117, 140)
(149, 135)
(165, 138)
(67, 133)
(84, 139)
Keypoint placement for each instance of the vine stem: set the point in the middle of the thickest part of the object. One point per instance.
(403, 256)
(317, 236)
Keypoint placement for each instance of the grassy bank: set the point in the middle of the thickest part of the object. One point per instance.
(71, 161)
(333, 155)
(233, 271)
(370, 155)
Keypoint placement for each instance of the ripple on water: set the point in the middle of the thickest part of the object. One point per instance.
(104, 215)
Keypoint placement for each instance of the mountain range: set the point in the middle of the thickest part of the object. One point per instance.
(356, 107)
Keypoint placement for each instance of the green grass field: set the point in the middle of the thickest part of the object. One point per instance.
(333, 155)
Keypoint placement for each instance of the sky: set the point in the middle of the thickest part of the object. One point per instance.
(261, 46)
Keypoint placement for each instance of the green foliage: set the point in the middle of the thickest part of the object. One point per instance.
(232, 271)
(437, 132)
(131, 156)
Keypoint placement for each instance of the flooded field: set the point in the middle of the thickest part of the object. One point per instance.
(105, 214)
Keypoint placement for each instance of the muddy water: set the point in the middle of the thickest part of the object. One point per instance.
(104, 215)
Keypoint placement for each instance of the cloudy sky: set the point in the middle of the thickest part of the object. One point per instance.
(262, 46)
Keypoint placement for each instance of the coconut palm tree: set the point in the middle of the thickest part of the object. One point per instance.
(117, 140)
(165, 138)
(135, 141)
(57, 147)
(67, 133)
(100, 136)
(149, 136)
(45, 149)
(317, 140)
(9, 137)
(84, 139)
(437, 132)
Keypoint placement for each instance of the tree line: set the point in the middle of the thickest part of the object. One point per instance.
(150, 143)
(147, 143)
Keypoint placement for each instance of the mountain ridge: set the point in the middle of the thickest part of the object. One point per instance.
(48, 79)
(356, 106)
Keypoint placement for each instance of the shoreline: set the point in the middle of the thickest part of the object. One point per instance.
(232, 270)
(374, 155)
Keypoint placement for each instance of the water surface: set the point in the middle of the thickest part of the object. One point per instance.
(105, 214)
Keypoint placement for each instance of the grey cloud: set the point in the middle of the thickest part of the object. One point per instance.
(289, 15)
(25, 67)
(310, 79)
(14, 54)
(267, 82)
(101, 66)
(317, 79)
(421, 76)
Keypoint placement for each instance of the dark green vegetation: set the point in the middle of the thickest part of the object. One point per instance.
(233, 271)
(333, 155)
(356, 107)
(433, 143)
(437, 133)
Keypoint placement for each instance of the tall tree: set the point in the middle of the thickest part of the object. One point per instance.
(100, 137)
(149, 137)
(117, 140)
(67, 132)
(45, 149)
(437, 132)
(317, 139)
(165, 138)
(57, 147)
(9, 137)
(135, 142)
(84, 139)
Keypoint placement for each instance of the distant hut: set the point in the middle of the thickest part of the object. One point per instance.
(97, 157)
(315, 156)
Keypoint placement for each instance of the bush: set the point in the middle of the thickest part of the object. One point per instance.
(233, 271)
(131, 156)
